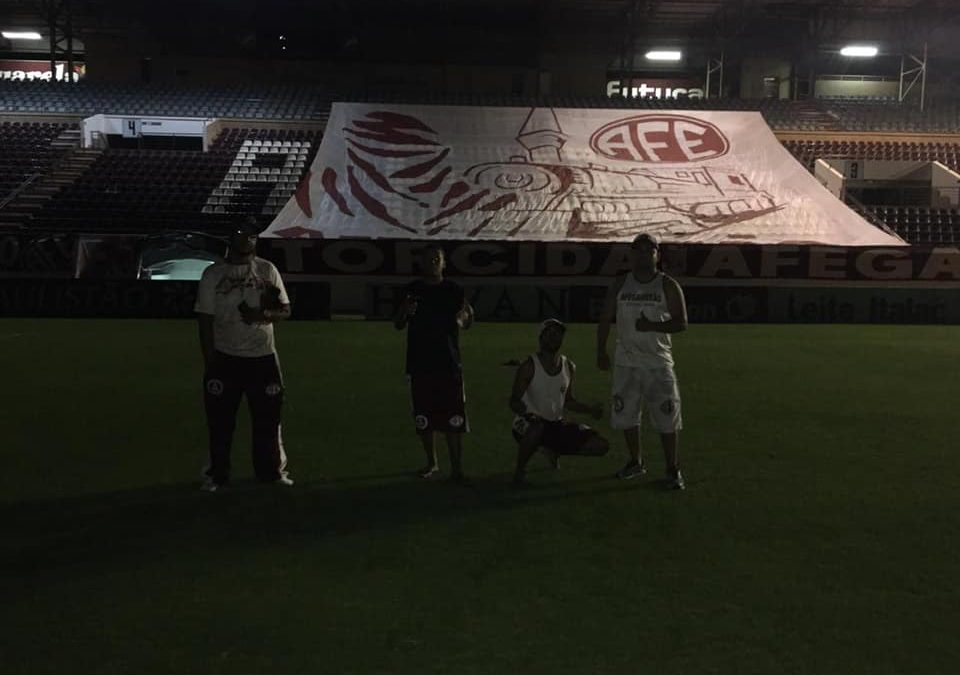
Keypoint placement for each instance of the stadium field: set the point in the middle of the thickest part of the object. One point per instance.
(819, 532)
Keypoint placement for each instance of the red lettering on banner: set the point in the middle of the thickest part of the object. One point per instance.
(659, 138)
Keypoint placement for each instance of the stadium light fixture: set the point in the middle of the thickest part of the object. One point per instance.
(21, 35)
(664, 55)
(859, 51)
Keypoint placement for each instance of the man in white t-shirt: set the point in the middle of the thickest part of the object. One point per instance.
(649, 306)
(542, 392)
(238, 301)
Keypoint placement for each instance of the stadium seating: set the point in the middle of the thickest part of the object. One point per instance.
(891, 116)
(27, 150)
(311, 102)
(920, 225)
(246, 171)
(278, 102)
(808, 151)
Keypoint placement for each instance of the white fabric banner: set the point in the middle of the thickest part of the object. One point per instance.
(552, 174)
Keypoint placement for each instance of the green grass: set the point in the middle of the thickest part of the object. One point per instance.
(818, 534)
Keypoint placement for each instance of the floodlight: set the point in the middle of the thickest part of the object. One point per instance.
(21, 35)
(859, 51)
(664, 55)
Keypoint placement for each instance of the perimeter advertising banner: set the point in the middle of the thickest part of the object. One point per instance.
(718, 265)
(28, 71)
(552, 174)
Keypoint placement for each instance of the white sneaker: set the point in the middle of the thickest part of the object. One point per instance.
(209, 486)
(676, 481)
(286, 481)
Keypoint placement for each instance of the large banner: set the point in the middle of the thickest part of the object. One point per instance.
(555, 174)
(305, 259)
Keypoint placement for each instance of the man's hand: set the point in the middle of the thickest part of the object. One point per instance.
(465, 316)
(270, 298)
(645, 325)
(533, 421)
(409, 306)
(603, 360)
(251, 315)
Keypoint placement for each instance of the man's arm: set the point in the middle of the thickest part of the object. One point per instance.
(264, 315)
(465, 315)
(278, 309)
(570, 402)
(406, 309)
(274, 301)
(205, 307)
(276, 314)
(205, 326)
(677, 306)
(521, 381)
(606, 318)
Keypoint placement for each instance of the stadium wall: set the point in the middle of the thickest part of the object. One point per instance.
(531, 301)
(528, 282)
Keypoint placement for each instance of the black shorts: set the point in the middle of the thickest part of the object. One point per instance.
(564, 438)
(438, 402)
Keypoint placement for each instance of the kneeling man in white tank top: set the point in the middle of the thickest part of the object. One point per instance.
(542, 391)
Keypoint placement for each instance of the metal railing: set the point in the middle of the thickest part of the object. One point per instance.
(19, 189)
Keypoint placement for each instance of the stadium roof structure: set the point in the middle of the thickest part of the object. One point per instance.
(682, 17)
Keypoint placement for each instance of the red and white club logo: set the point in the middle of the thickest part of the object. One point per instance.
(659, 138)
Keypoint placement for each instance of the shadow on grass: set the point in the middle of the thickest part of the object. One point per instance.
(121, 528)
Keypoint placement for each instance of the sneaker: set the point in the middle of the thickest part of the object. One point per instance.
(675, 482)
(631, 470)
(285, 481)
(428, 472)
(209, 486)
(552, 457)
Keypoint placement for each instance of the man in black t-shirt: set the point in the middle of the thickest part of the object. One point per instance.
(433, 311)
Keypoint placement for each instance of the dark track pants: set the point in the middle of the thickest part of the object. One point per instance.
(227, 379)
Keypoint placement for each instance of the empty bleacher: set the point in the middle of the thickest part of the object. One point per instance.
(810, 150)
(246, 171)
(920, 225)
(277, 102)
(27, 149)
(888, 115)
(309, 102)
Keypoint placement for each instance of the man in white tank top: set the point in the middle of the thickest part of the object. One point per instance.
(649, 307)
(542, 391)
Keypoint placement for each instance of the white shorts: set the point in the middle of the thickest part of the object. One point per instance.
(653, 388)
